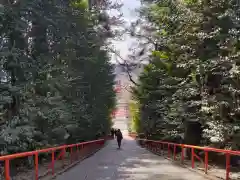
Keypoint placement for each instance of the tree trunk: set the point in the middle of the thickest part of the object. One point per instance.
(193, 134)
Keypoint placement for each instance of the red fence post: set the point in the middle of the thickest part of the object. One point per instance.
(36, 166)
(63, 155)
(162, 150)
(182, 157)
(77, 152)
(7, 169)
(192, 157)
(206, 162)
(52, 163)
(174, 152)
(168, 150)
(159, 148)
(71, 154)
(227, 166)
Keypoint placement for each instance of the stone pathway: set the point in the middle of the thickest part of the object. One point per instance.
(130, 163)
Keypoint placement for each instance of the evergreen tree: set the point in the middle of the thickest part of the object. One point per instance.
(193, 72)
(56, 79)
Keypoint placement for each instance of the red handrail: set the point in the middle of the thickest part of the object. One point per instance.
(227, 153)
(35, 153)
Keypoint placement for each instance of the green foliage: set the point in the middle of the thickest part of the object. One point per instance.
(193, 74)
(134, 117)
(80, 4)
(56, 79)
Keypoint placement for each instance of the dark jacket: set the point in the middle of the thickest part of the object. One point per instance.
(119, 135)
(112, 132)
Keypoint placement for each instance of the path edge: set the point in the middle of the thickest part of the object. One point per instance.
(75, 163)
(207, 176)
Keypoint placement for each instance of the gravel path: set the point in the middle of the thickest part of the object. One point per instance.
(130, 163)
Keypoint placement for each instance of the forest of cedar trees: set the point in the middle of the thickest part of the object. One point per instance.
(190, 90)
(55, 75)
(57, 82)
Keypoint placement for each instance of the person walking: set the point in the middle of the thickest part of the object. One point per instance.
(119, 138)
(115, 132)
(112, 133)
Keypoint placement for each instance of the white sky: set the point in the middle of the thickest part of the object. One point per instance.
(129, 15)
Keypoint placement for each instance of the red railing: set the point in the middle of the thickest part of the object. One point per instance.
(75, 150)
(160, 146)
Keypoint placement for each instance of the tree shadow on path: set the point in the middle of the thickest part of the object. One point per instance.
(131, 162)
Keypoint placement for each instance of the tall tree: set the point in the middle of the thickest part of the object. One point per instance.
(56, 77)
(192, 75)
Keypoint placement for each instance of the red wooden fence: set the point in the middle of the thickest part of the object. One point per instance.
(159, 146)
(77, 147)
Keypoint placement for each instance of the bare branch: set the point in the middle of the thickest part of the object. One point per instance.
(124, 64)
